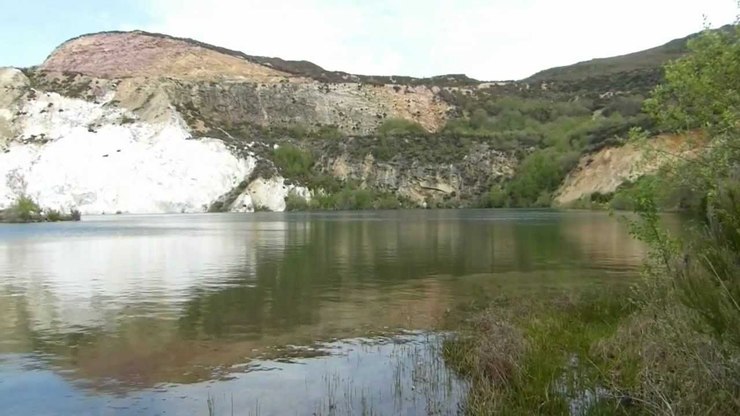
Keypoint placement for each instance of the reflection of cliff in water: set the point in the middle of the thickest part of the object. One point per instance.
(151, 303)
(604, 243)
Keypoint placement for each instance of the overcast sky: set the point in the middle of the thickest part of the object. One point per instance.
(488, 40)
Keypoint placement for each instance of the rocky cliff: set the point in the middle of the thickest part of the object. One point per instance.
(604, 171)
(140, 122)
(217, 88)
(428, 171)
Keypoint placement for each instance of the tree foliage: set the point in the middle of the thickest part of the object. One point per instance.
(702, 90)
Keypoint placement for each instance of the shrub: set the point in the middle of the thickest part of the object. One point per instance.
(298, 131)
(387, 201)
(328, 133)
(53, 215)
(599, 198)
(295, 202)
(127, 120)
(292, 161)
(539, 172)
(352, 199)
(626, 106)
(24, 209)
(383, 153)
(400, 127)
(688, 347)
(327, 183)
(497, 197)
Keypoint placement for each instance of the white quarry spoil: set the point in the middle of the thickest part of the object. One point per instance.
(95, 157)
(267, 194)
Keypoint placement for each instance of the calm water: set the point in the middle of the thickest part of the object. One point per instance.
(168, 314)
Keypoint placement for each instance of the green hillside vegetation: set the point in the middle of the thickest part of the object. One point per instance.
(642, 60)
(551, 132)
(549, 121)
(330, 193)
(668, 345)
(548, 131)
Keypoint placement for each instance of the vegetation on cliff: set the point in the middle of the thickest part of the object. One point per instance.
(25, 209)
(548, 128)
(329, 193)
(551, 130)
(671, 343)
(426, 128)
(548, 132)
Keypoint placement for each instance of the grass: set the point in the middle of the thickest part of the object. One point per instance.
(627, 351)
(533, 356)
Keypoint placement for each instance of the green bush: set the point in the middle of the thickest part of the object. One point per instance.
(352, 199)
(345, 196)
(387, 201)
(539, 172)
(25, 208)
(326, 182)
(53, 215)
(295, 202)
(328, 133)
(297, 131)
(383, 151)
(497, 197)
(400, 127)
(687, 344)
(626, 106)
(293, 162)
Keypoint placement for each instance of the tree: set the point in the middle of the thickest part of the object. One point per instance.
(702, 91)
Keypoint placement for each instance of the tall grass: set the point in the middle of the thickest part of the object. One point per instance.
(534, 356)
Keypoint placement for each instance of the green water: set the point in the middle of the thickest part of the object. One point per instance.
(112, 313)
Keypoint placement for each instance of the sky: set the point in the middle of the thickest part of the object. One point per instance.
(485, 39)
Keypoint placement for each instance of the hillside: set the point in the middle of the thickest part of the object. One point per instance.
(647, 60)
(232, 131)
(644, 63)
(70, 57)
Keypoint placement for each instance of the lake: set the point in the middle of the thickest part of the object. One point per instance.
(271, 313)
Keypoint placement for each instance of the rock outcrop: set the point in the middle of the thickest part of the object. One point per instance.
(13, 85)
(74, 154)
(140, 122)
(119, 55)
(443, 178)
(218, 88)
(604, 171)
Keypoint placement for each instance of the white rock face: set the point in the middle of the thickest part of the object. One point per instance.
(243, 203)
(72, 153)
(269, 194)
(13, 84)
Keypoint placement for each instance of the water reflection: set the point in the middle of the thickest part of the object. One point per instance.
(401, 375)
(140, 300)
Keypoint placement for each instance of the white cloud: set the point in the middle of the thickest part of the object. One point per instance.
(494, 39)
